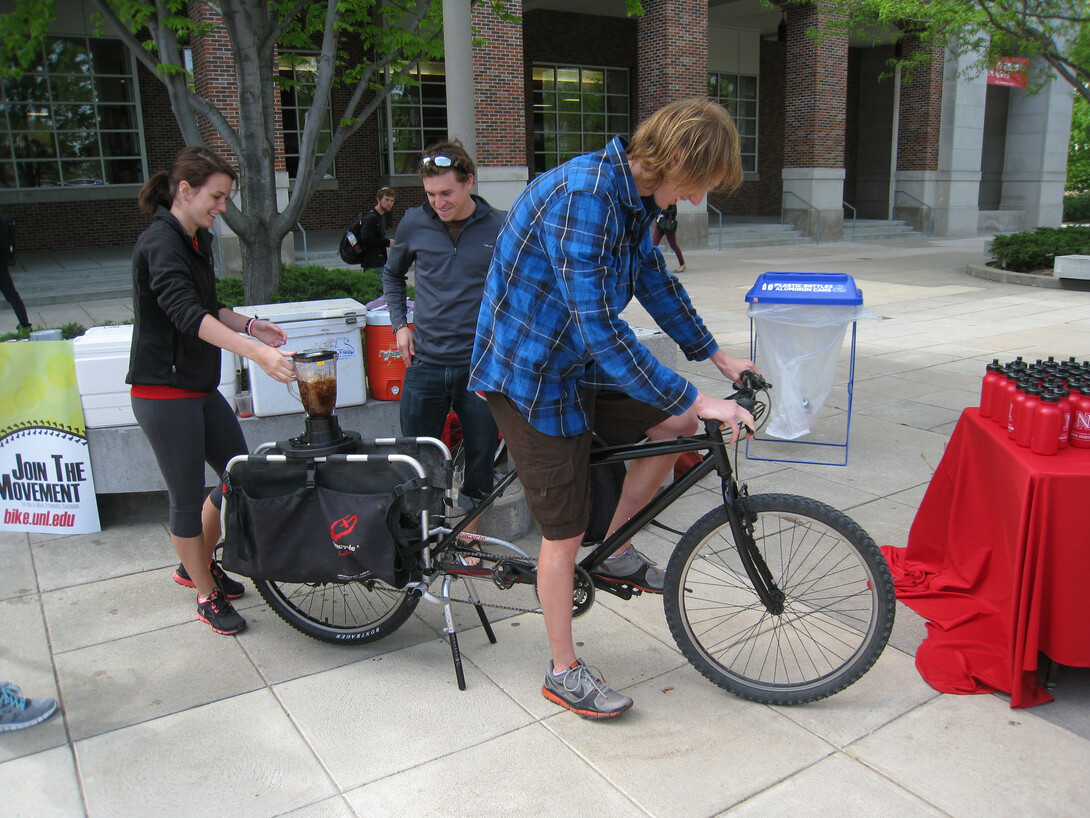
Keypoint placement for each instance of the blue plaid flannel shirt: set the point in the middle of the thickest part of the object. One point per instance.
(574, 251)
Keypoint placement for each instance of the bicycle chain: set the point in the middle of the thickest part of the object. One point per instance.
(497, 559)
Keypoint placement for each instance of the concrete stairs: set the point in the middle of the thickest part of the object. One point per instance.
(866, 230)
(752, 234)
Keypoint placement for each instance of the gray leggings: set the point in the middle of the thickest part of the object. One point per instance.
(186, 433)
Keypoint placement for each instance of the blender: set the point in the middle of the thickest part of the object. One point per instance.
(316, 374)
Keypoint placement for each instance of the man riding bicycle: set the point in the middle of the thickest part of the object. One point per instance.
(558, 363)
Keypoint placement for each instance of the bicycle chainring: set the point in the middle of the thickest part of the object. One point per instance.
(582, 598)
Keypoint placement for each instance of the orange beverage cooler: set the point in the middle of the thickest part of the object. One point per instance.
(385, 367)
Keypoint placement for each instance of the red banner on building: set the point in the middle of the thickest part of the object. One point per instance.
(1012, 72)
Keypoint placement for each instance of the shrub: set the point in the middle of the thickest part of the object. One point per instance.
(1077, 207)
(312, 283)
(1037, 250)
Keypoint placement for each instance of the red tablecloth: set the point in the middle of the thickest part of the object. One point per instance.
(998, 562)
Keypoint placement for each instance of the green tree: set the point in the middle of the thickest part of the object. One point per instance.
(1078, 156)
(396, 35)
(1056, 31)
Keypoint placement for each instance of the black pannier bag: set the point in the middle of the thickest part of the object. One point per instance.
(342, 520)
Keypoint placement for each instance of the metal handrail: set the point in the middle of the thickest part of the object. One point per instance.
(783, 209)
(855, 214)
(719, 213)
(306, 257)
(921, 202)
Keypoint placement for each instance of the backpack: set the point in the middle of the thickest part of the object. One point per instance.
(351, 250)
(7, 238)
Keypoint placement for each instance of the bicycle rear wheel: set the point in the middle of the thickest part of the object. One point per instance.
(838, 608)
(340, 613)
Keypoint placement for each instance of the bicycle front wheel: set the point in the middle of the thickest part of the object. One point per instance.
(349, 613)
(837, 612)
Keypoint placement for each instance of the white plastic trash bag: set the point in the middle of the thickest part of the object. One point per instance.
(799, 348)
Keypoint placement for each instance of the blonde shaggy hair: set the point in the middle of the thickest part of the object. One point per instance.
(689, 141)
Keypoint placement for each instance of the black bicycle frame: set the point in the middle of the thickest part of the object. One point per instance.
(715, 460)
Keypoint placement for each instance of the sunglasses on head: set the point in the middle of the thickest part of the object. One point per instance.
(440, 162)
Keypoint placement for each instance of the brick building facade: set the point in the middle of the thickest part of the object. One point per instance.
(819, 125)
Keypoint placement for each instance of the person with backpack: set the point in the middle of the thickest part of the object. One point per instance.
(365, 243)
(7, 256)
(666, 225)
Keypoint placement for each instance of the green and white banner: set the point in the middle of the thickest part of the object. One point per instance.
(45, 465)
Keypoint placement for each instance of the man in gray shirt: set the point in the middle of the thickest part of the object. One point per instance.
(450, 238)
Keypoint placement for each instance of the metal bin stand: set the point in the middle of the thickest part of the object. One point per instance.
(802, 319)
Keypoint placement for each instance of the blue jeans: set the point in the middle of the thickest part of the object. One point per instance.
(428, 394)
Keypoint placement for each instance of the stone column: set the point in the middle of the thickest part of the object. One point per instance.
(672, 37)
(458, 71)
(1035, 163)
(814, 125)
(939, 146)
(499, 105)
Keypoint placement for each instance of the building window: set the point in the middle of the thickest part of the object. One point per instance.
(72, 118)
(738, 94)
(577, 109)
(298, 79)
(414, 117)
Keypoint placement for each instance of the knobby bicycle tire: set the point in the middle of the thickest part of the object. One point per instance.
(839, 604)
(349, 613)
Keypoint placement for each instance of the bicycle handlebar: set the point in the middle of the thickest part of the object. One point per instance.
(745, 394)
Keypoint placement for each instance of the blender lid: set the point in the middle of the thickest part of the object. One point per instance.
(314, 356)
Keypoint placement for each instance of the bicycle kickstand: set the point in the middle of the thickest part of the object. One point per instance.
(476, 600)
(452, 634)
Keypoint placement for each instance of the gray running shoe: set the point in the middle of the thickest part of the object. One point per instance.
(634, 568)
(17, 712)
(583, 692)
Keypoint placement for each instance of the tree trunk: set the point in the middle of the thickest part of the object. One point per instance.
(261, 265)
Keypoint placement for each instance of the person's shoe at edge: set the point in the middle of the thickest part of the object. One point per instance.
(217, 612)
(231, 587)
(581, 690)
(634, 568)
(17, 712)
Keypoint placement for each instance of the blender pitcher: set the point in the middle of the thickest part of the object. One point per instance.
(316, 373)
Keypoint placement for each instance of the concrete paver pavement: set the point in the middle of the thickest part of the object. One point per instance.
(162, 717)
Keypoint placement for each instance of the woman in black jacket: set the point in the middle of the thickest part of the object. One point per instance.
(174, 364)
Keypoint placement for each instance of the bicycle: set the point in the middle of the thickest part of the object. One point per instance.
(777, 598)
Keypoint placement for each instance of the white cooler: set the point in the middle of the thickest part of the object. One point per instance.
(102, 361)
(332, 324)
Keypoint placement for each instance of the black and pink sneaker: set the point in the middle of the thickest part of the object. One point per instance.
(231, 587)
(218, 613)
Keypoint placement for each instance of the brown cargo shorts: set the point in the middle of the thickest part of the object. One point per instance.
(555, 471)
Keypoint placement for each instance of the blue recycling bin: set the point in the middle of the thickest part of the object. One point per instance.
(799, 320)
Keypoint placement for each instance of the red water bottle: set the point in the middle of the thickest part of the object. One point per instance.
(1017, 402)
(993, 377)
(1024, 414)
(1080, 417)
(1005, 394)
(1065, 412)
(1047, 423)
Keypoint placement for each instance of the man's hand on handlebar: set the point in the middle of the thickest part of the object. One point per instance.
(725, 411)
(732, 368)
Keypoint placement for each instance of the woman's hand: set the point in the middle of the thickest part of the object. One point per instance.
(268, 333)
(275, 363)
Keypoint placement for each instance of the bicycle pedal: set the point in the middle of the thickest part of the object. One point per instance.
(617, 587)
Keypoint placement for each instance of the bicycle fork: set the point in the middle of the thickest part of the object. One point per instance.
(741, 526)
